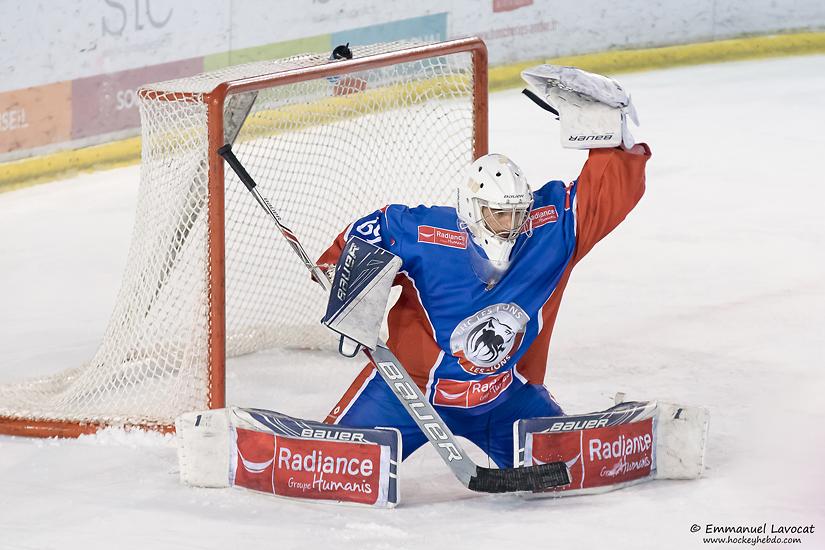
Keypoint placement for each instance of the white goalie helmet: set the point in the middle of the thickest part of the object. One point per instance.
(494, 206)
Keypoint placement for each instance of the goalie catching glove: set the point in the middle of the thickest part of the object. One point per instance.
(593, 109)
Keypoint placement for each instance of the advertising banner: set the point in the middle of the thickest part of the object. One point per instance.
(45, 42)
(95, 54)
(33, 117)
(107, 103)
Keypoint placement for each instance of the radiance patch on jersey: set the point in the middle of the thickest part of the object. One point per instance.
(471, 393)
(443, 237)
(544, 215)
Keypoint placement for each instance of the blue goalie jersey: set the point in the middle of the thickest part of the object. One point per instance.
(466, 345)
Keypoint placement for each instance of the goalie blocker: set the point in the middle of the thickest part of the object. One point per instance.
(360, 291)
(627, 444)
(276, 454)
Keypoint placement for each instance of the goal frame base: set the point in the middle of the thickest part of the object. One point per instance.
(25, 427)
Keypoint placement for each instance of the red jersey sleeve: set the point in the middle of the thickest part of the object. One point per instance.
(611, 183)
(330, 256)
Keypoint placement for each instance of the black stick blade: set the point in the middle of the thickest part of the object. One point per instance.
(531, 478)
(539, 101)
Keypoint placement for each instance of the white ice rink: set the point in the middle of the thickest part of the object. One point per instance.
(711, 293)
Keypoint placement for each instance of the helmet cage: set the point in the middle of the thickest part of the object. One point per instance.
(488, 223)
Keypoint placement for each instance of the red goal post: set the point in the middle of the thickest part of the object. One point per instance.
(205, 279)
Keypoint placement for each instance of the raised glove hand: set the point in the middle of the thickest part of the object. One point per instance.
(593, 109)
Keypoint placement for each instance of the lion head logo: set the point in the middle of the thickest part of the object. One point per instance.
(488, 340)
(484, 341)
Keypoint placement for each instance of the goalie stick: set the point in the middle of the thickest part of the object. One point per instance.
(474, 477)
(540, 102)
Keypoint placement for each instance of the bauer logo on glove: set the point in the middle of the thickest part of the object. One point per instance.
(593, 109)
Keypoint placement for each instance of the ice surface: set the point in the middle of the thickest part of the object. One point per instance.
(711, 293)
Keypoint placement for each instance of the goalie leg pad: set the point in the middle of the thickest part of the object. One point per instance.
(272, 453)
(624, 445)
(203, 448)
(682, 434)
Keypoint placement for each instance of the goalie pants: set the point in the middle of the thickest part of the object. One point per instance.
(370, 403)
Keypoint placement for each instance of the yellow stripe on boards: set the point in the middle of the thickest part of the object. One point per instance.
(625, 61)
(30, 171)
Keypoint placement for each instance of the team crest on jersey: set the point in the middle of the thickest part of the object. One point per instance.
(485, 341)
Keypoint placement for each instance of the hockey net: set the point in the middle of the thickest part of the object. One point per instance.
(327, 142)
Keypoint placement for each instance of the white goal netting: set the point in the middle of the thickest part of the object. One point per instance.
(324, 151)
